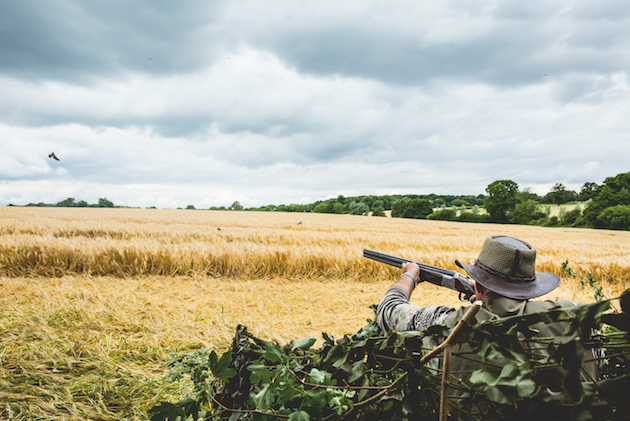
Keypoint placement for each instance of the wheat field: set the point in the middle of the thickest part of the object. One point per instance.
(94, 300)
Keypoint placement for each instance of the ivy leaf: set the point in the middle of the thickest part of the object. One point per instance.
(356, 372)
(263, 399)
(168, 411)
(495, 394)
(273, 352)
(174, 375)
(525, 387)
(589, 315)
(303, 344)
(322, 377)
(299, 416)
(219, 366)
(363, 392)
(260, 373)
(337, 356)
(482, 376)
(318, 376)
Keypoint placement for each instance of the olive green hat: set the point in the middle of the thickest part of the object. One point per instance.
(506, 266)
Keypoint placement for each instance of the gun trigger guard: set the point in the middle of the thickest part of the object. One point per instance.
(460, 297)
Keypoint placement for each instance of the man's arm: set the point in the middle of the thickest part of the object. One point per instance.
(405, 282)
(394, 312)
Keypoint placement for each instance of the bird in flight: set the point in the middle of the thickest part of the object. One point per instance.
(53, 156)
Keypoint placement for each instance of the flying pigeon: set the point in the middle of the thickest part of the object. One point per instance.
(53, 156)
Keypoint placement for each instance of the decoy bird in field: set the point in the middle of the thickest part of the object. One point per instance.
(218, 228)
(53, 156)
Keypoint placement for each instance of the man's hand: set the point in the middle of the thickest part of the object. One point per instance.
(411, 268)
(480, 292)
(405, 282)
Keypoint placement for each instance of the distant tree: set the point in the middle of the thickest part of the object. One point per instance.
(443, 215)
(341, 199)
(66, 203)
(292, 208)
(82, 204)
(615, 217)
(473, 217)
(525, 213)
(359, 208)
(236, 206)
(338, 208)
(554, 221)
(321, 208)
(398, 208)
(570, 218)
(190, 207)
(614, 191)
(104, 203)
(378, 211)
(412, 208)
(588, 191)
(559, 195)
(368, 200)
(502, 199)
(526, 194)
(459, 202)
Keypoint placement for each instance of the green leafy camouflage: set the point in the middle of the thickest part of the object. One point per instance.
(373, 375)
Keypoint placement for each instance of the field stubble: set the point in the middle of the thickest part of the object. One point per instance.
(94, 299)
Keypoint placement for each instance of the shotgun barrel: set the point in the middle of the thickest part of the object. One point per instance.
(448, 279)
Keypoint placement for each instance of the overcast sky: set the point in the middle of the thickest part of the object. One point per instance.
(168, 104)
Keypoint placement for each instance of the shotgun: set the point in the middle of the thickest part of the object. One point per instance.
(438, 276)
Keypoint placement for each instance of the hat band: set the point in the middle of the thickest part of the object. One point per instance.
(502, 275)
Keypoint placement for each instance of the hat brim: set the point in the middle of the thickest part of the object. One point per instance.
(544, 283)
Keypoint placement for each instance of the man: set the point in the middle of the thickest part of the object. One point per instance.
(505, 280)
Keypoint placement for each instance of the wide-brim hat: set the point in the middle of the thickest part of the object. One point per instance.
(506, 265)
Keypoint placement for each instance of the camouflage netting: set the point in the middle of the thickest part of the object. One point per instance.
(372, 375)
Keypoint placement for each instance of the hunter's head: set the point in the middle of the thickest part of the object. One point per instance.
(506, 266)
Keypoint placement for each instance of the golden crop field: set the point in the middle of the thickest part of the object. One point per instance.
(93, 300)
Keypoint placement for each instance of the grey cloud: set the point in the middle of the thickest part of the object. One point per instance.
(606, 10)
(583, 88)
(83, 41)
(511, 45)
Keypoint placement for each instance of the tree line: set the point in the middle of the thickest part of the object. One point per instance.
(370, 204)
(606, 205)
(71, 203)
(600, 206)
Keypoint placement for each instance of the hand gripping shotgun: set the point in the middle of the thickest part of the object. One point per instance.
(438, 276)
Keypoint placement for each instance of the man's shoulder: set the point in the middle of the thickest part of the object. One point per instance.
(456, 316)
(530, 307)
(544, 305)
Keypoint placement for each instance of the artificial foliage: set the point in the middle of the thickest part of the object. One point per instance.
(374, 375)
